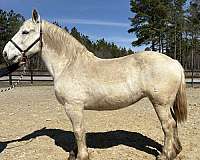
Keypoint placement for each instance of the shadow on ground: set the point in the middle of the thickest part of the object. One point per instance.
(103, 140)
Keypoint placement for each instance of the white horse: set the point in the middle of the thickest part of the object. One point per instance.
(85, 82)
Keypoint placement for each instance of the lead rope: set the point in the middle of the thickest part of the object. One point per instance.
(16, 83)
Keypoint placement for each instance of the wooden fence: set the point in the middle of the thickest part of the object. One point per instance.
(31, 76)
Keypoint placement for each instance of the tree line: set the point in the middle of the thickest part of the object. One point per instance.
(171, 27)
(10, 23)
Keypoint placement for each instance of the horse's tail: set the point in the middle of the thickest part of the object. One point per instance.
(180, 104)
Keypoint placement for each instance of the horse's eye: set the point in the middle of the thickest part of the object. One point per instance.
(25, 32)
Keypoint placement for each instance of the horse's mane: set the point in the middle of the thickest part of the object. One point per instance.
(61, 41)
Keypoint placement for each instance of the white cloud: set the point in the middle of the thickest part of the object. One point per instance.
(120, 39)
(89, 22)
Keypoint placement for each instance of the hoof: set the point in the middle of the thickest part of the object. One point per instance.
(161, 157)
(170, 152)
(72, 156)
(84, 156)
(164, 157)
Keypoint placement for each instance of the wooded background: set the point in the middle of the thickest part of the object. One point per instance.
(171, 27)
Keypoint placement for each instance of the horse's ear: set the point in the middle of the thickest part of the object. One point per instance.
(35, 16)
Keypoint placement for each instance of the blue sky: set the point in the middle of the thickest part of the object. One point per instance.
(96, 18)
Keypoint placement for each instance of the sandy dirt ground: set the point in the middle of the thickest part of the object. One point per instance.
(33, 126)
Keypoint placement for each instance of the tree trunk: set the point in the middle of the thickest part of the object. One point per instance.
(175, 44)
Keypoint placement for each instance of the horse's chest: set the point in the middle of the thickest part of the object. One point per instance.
(69, 91)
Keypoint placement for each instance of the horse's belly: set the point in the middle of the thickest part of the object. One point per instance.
(106, 106)
(112, 101)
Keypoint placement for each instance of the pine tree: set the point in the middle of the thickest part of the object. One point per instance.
(149, 22)
(10, 23)
(194, 31)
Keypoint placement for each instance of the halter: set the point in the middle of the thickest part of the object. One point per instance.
(24, 58)
(23, 52)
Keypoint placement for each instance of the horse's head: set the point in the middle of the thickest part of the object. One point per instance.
(26, 42)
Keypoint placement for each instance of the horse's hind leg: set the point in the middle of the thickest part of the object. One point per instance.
(172, 146)
(75, 114)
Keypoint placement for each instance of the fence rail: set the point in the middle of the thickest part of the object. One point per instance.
(30, 76)
(44, 75)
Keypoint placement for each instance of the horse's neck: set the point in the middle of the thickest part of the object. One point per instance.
(60, 49)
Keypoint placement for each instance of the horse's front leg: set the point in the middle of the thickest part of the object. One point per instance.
(75, 114)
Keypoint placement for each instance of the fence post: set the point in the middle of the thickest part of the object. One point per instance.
(192, 69)
(192, 63)
(10, 79)
(31, 75)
